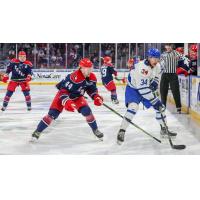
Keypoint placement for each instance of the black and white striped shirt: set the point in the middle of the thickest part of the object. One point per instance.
(169, 61)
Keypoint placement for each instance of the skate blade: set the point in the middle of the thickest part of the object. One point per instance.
(33, 140)
(97, 138)
(2, 112)
(119, 142)
(100, 139)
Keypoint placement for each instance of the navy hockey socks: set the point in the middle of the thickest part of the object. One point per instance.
(7, 98)
(87, 113)
(27, 98)
(46, 121)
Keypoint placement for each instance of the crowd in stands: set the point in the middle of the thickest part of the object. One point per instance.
(61, 55)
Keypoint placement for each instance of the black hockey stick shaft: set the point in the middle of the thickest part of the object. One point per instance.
(179, 147)
(114, 111)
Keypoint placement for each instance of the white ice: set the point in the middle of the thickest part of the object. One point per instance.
(70, 134)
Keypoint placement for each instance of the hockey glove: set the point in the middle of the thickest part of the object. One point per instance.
(153, 85)
(5, 78)
(98, 100)
(124, 80)
(28, 78)
(182, 71)
(70, 106)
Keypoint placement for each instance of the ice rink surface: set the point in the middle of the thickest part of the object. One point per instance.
(70, 134)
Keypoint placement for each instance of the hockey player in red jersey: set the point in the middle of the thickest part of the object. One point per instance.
(187, 65)
(130, 64)
(21, 75)
(193, 59)
(107, 72)
(70, 96)
(180, 50)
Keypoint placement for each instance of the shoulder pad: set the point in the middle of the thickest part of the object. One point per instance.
(27, 62)
(93, 77)
(77, 76)
(14, 60)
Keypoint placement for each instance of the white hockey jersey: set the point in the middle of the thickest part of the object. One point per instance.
(141, 77)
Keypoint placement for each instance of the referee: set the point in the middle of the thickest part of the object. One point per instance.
(169, 61)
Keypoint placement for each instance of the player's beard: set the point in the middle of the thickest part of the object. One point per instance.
(22, 58)
(153, 62)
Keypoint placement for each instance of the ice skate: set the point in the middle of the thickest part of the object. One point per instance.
(29, 108)
(35, 136)
(120, 136)
(3, 109)
(164, 133)
(115, 101)
(98, 134)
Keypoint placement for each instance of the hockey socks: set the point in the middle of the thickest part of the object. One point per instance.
(130, 113)
(46, 121)
(27, 98)
(113, 95)
(87, 113)
(159, 118)
(7, 99)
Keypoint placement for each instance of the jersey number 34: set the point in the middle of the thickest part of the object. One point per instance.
(143, 82)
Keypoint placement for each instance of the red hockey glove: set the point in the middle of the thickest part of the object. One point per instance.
(70, 106)
(181, 71)
(28, 78)
(124, 80)
(5, 78)
(98, 100)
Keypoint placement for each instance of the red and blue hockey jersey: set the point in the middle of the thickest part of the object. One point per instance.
(107, 71)
(75, 85)
(19, 70)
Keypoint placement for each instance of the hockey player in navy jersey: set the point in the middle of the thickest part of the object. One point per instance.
(21, 75)
(70, 96)
(142, 83)
(193, 59)
(188, 66)
(107, 72)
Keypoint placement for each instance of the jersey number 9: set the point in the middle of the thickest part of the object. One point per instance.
(103, 72)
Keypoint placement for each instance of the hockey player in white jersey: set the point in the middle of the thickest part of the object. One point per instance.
(141, 86)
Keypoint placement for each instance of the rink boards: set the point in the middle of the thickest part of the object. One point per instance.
(190, 95)
(53, 76)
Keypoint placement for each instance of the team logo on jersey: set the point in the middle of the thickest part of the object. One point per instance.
(144, 72)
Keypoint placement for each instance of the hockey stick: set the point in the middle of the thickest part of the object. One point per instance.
(111, 109)
(18, 79)
(178, 147)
